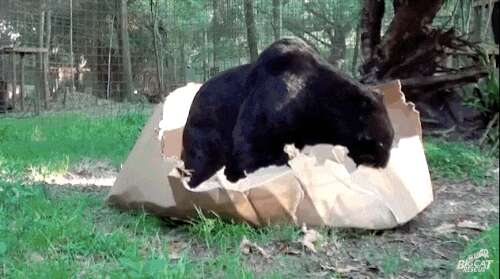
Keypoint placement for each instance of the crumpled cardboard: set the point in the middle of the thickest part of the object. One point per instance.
(320, 186)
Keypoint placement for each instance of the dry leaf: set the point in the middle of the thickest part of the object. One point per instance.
(287, 250)
(310, 236)
(464, 237)
(440, 254)
(444, 228)
(466, 224)
(247, 247)
(174, 255)
(327, 267)
(175, 249)
(292, 252)
(346, 269)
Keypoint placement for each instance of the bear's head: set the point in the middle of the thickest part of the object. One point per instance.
(358, 120)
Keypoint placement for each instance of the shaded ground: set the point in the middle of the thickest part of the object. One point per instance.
(427, 247)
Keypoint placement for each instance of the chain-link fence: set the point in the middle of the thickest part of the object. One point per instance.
(72, 54)
(59, 55)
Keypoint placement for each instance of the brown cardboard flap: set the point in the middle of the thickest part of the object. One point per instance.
(142, 179)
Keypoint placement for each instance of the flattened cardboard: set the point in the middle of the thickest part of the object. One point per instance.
(321, 186)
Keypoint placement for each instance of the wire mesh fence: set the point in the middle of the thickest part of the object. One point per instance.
(65, 55)
(59, 55)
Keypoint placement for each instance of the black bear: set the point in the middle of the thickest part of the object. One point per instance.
(207, 139)
(242, 118)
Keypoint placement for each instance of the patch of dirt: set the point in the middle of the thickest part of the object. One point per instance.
(86, 173)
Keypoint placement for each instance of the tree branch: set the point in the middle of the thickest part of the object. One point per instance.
(442, 82)
(408, 23)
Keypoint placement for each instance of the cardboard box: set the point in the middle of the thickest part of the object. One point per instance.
(320, 187)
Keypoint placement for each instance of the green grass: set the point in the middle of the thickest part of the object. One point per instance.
(58, 233)
(52, 143)
(74, 234)
(487, 240)
(45, 235)
(218, 233)
(458, 161)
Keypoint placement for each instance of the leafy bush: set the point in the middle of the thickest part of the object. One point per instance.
(485, 98)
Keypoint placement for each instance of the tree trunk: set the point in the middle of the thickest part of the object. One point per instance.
(417, 53)
(183, 61)
(372, 13)
(156, 38)
(110, 52)
(46, 90)
(251, 29)
(71, 54)
(338, 47)
(356, 51)
(125, 50)
(21, 82)
(215, 36)
(39, 79)
(277, 19)
(14, 80)
(206, 59)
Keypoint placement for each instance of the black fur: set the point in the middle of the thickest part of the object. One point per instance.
(243, 118)
(207, 138)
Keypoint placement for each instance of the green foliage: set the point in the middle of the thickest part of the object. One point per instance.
(457, 161)
(488, 240)
(190, 34)
(53, 143)
(486, 96)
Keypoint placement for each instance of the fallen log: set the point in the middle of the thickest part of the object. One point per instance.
(430, 84)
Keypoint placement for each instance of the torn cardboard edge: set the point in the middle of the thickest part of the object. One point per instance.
(320, 187)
